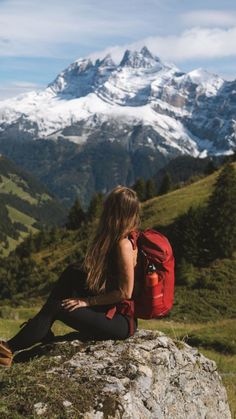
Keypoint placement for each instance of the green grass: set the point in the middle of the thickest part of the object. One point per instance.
(14, 185)
(12, 243)
(54, 254)
(207, 335)
(43, 197)
(164, 209)
(26, 384)
(20, 217)
(9, 327)
(10, 186)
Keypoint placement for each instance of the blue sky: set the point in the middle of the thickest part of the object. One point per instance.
(38, 39)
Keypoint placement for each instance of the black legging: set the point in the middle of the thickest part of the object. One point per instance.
(90, 321)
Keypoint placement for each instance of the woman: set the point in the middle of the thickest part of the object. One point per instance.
(96, 300)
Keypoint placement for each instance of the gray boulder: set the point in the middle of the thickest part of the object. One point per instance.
(146, 376)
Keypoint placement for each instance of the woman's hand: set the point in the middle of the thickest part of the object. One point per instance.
(71, 304)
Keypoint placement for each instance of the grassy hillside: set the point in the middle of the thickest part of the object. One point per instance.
(162, 210)
(159, 211)
(25, 206)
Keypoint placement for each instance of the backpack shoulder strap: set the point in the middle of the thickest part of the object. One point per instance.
(133, 237)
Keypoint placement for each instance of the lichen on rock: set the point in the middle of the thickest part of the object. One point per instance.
(146, 376)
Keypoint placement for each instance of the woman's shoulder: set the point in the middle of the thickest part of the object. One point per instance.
(126, 251)
(124, 244)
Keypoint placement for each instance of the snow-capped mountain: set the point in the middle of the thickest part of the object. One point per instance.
(99, 123)
(140, 103)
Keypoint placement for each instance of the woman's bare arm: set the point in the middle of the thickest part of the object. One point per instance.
(125, 277)
(125, 255)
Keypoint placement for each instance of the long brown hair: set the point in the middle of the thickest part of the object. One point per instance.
(120, 215)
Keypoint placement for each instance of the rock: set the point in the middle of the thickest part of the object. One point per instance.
(146, 376)
(66, 403)
(40, 408)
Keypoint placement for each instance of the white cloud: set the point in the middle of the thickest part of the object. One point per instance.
(209, 18)
(59, 29)
(32, 28)
(16, 88)
(195, 43)
(24, 85)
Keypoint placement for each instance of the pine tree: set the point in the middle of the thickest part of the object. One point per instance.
(41, 239)
(95, 206)
(210, 168)
(150, 189)
(221, 215)
(187, 236)
(30, 243)
(165, 184)
(140, 188)
(54, 235)
(76, 216)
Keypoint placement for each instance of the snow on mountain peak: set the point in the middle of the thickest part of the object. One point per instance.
(107, 61)
(81, 77)
(200, 76)
(146, 53)
(126, 83)
(141, 89)
(209, 82)
(139, 59)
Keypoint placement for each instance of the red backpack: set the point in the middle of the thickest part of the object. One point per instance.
(156, 296)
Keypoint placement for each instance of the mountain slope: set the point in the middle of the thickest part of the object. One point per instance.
(162, 210)
(25, 205)
(69, 171)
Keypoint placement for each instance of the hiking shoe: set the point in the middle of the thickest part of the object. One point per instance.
(6, 354)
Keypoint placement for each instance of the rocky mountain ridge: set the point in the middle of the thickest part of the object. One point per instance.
(178, 113)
